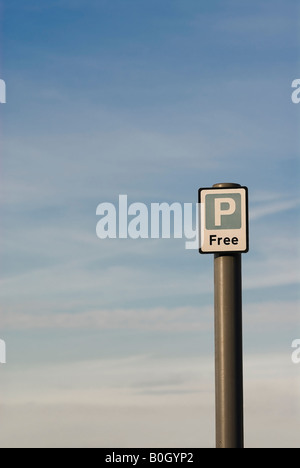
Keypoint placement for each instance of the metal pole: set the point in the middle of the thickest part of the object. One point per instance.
(229, 348)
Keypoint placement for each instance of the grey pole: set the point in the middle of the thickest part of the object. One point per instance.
(229, 348)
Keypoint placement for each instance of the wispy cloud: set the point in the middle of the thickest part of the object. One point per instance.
(155, 319)
(277, 206)
(173, 398)
(172, 319)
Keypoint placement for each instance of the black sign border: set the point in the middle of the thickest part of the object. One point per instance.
(247, 219)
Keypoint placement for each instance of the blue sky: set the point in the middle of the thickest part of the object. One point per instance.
(151, 99)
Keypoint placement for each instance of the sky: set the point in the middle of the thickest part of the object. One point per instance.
(110, 343)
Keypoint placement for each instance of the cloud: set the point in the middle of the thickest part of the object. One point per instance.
(170, 319)
(271, 271)
(129, 381)
(279, 206)
(155, 319)
(144, 402)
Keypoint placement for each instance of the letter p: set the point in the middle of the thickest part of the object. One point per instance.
(223, 207)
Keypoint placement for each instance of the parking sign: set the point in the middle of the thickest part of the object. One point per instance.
(224, 220)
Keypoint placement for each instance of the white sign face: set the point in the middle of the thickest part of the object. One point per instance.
(224, 220)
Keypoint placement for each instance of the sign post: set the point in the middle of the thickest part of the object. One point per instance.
(224, 232)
